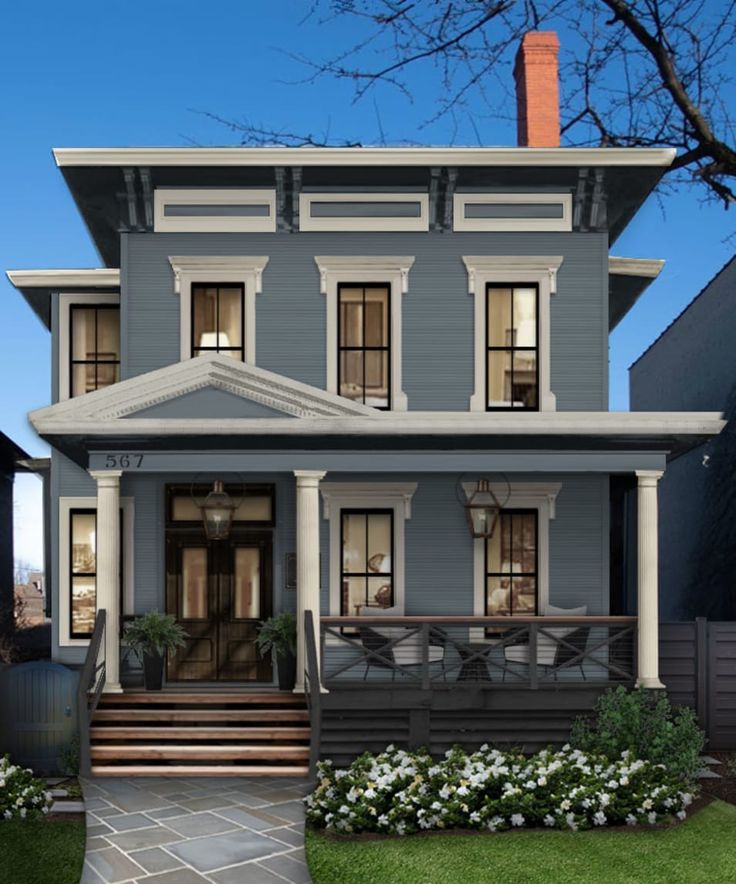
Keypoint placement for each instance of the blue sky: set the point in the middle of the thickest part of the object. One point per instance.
(143, 73)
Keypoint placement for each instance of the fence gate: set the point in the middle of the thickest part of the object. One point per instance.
(698, 666)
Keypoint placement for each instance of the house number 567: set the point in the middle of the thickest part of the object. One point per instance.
(123, 461)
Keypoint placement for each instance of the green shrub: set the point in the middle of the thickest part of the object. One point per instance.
(399, 792)
(644, 723)
(69, 757)
(22, 796)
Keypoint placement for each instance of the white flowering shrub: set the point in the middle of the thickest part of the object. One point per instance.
(399, 792)
(22, 796)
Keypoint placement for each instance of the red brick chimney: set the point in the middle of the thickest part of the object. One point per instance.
(537, 95)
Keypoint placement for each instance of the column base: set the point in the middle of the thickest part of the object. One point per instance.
(112, 687)
(298, 688)
(652, 684)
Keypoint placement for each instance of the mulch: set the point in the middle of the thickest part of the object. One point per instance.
(725, 787)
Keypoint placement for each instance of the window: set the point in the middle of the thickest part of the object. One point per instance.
(519, 372)
(364, 365)
(511, 565)
(363, 299)
(95, 347)
(512, 375)
(255, 504)
(83, 571)
(217, 319)
(366, 571)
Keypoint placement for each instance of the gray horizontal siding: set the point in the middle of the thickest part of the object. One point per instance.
(437, 311)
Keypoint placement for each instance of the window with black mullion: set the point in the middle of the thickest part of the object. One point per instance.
(511, 565)
(94, 353)
(512, 333)
(364, 365)
(218, 319)
(366, 569)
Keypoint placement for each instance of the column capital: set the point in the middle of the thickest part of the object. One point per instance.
(649, 478)
(106, 478)
(309, 478)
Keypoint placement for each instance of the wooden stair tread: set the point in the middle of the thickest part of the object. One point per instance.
(200, 770)
(253, 698)
(198, 733)
(212, 751)
(263, 715)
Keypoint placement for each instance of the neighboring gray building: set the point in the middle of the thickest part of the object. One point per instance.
(370, 350)
(10, 457)
(692, 367)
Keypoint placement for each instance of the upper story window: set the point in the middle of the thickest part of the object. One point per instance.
(94, 347)
(364, 349)
(218, 313)
(512, 342)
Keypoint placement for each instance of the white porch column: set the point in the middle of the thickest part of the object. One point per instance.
(648, 580)
(108, 569)
(307, 560)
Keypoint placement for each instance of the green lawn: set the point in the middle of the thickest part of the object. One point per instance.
(42, 852)
(701, 849)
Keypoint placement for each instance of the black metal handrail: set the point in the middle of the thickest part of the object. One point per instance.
(312, 691)
(91, 685)
(529, 652)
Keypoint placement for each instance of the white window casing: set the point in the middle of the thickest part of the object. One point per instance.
(246, 270)
(391, 269)
(224, 210)
(337, 496)
(513, 221)
(541, 497)
(66, 301)
(372, 220)
(66, 505)
(522, 270)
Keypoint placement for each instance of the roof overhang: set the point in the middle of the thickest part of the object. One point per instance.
(37, 286)
(623, 177)
(628, 279)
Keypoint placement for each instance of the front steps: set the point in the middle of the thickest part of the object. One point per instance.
(193, 733)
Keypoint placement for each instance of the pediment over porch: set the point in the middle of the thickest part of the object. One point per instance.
(209, 387)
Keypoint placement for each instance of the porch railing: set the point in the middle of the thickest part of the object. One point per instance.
(91, 684)
(496, 653)
(312, 691)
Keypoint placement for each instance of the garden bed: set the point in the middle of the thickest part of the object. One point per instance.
(724, 788)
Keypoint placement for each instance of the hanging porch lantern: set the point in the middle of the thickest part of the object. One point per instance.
(218, 509)
(482, 509)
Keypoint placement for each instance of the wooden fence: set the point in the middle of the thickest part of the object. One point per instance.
(697, 662)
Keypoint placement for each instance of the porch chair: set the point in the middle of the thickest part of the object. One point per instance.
(550, 653)
(404, 653)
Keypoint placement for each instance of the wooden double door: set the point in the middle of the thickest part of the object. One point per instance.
(219, 591)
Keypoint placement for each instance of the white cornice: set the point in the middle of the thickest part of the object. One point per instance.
(356, 264)
(192, 265)
(518, 495)
(649, 268)
(96, 277)
(512, 266)
(368, 493)
(114, 405)
(363, 156)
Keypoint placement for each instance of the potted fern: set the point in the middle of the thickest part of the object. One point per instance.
(277, 636)
(151, 637)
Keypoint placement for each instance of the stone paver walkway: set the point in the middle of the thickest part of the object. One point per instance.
(186, 831)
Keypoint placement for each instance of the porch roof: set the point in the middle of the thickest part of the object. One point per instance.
(128, 417)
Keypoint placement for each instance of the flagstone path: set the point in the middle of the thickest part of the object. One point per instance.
(187, 831)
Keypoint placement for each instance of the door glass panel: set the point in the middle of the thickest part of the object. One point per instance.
(252, 508)
(247, 583)
(194, 583)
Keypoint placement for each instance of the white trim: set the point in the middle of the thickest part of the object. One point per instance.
(529, 269)
(363, 156)
(244, 269)
(65, 302)
(391, 269)
(337, 496)
(200, 196)
(66, 504)
(96, 277)
(371, 223)
(649, 268)
(460, 222)
(524, 495)
(126, 398)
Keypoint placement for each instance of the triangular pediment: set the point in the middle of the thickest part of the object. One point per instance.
(206, 387)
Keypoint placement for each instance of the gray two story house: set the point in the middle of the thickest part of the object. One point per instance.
(390, 365)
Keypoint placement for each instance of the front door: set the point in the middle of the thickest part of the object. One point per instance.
(219, 591)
